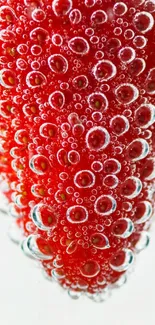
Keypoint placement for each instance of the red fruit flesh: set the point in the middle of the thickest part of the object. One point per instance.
(77, 113)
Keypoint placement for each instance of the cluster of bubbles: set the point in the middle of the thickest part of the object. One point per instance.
(82, 162)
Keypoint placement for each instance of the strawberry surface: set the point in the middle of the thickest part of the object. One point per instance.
(77, 113)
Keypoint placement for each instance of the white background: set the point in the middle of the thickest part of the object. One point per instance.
(27, 298)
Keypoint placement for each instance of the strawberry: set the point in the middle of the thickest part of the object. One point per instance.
(77, 115)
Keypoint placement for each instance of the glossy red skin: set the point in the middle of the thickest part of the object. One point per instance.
(36, 144)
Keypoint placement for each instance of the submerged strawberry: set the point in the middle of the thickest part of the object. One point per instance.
(77, 134)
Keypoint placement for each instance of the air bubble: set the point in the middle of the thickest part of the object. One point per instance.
(77, 214)
(145, 115)
(21, 137)
(98, 101)
(105, 205)
(84, 179)
(73, 157)
(113, 44)
(57, 39)
(98, 17)
(89, 3)
(137, 67)
(61, 8)
(60, 196)
(119, 125)
(7, 14)
(138, 149)
(97, 166)
(140, 41)
(57, 100)
(58, 274)
(38, 15)
(58, 63)
(72, 247)
(90, 269)
(143, 21)
(123, 228)
(39, 34)
(48, 130)
(122, 260)
(44, 216)
(97, 138)
(38, 247)
(36, 50)
(78, 130)
(131, 187)
(149, 6)
(150, 86)
(143, 212)
(127, 54)
(35, 79)
(112, 166)
(143, 240)
(62, 157)
(104, 70)
(79, 45)
(39, 164)
(148, 169)
(6, 35)
(126, 93)
(7, 78)
(120, 8)
(80, 82)
(75, 16)
(99, 241)
(111, 181)
(21, 64)
(38, 190)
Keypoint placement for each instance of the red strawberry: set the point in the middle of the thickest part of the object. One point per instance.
(77, 134)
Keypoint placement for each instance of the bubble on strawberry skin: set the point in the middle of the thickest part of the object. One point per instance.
(123, 228)
(105, 205)
(37, 247)
(74, 157)
(142, 241)
(58, 64)
(127, 54)
(131, 187)
(126, 93)
(77, 214)
(38, 15)
(112, 166)
(110, 181)
(44, 216)
(98, 101)
(57, 100)
(145, 115)
(99, 241)
(122, 260)
(104, 70)
(75, 16)
(48, 130)
(97, 166)
(119, 125)
(61, 8)
(90, 269)
(97, 138)
(137, 66)
(84, 179)
(57, 40)
(143, 212)
(7, 78)
(120, 9)
(80, 82)
(148, 169)
(138, 149)
(35, 79)
(39, 164)
(7, 14)
(79, 45)
(143, 21)
(140, 41)
(98, 17)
